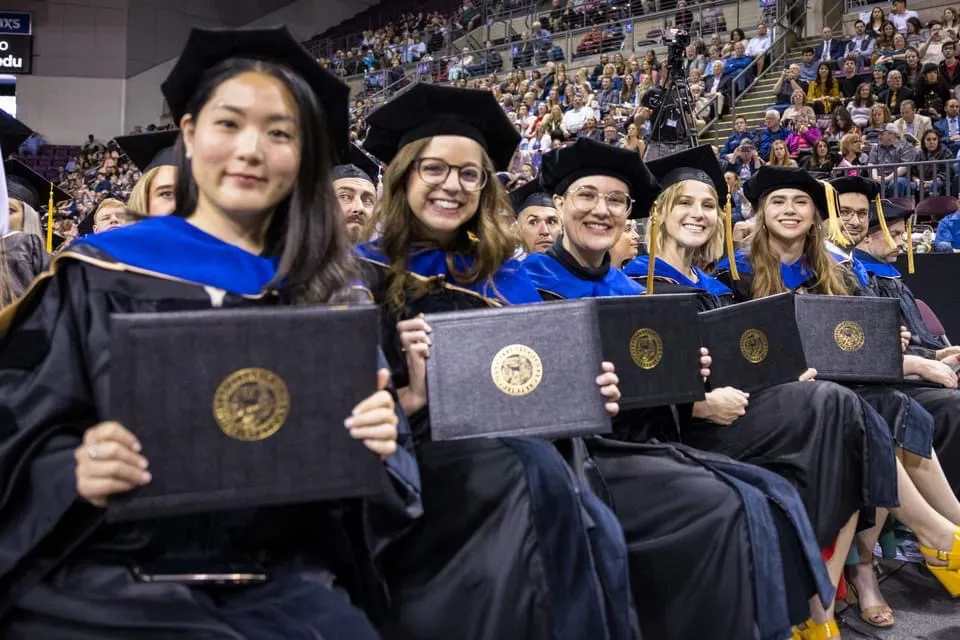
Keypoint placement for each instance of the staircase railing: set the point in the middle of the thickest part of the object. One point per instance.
(788, 24)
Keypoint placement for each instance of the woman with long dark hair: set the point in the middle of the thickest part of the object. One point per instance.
(932, 178)
(511, 544)
(824, 90)
(711, 500)
(256, 225)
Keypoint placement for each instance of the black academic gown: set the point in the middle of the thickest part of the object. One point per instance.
(910, 426)
(943, 404)
(65, 574)
(512, 544)
(705, 533)
(25, 258)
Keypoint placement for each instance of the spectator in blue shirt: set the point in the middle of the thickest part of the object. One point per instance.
(739, 135)
(769, 134)
(808, 66)
(948, 233)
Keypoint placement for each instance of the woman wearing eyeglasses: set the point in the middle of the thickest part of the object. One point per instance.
(510, 544)
(685, 514)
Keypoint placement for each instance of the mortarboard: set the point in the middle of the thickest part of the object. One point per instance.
(587, 157)
(26, 185)
(361, 166)
(870, 189)
(530, 195)
(206, 48)
(427, 110)
(700, 164)
(149, 150)
(768, 179)
(13, 133)
(893, 212)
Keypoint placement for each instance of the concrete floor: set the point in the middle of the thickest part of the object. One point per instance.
(923, 609)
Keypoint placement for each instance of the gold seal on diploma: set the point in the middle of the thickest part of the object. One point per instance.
(753, 345)
(849, 336)
(646, 348)
(251, 404)
(516, 370)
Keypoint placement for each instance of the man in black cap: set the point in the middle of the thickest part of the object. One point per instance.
(355, 186)
(537, 217)
(878, 257)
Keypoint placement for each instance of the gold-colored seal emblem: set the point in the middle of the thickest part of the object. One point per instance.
(251, 404)
(646, 348)
(754, 346)
(516, 370)
(849, 336)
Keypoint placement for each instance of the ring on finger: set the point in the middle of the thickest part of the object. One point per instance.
(93, 451)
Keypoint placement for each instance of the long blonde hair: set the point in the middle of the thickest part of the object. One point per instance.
(767, 280)
(31, 221)
(139, 200)
(486, 237)
(6, 288)
(711, 250)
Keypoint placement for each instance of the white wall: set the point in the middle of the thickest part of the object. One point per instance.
(65, 110)
(143, 99)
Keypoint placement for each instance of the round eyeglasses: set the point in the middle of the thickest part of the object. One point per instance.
(585, 199)
(434, 171)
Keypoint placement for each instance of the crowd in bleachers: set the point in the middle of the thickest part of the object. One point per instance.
(886, 93)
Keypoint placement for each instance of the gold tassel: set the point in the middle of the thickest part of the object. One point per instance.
(50, 221)
(883, 223)
(652, 253)
(728, 232)
(910, 244)
(834, 226)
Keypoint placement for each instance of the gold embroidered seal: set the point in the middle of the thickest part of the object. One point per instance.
(849, 336)
(753, 345)
(516, 370)
(251, 404)
(646, 348)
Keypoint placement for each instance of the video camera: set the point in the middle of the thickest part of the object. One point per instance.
(678, 40)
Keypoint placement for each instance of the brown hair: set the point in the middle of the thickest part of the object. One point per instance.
(766, 266)
(485, 237)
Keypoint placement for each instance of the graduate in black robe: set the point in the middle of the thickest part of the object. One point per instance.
(935, 359)
(512, 543)
(788, 253)
(67, 574)
(819, 435)
(24, 254)
(756, 563)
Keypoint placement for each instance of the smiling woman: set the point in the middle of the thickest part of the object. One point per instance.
(255, 226)
(504, 550)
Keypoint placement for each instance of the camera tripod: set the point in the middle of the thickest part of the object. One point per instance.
(673, 127)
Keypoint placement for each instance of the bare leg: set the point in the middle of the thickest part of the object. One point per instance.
(931, 528)
(835, 569)
(932, 484)
(864, 580)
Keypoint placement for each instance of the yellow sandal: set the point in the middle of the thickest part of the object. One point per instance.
(948, 574)
(809, 630)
